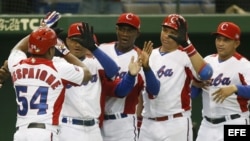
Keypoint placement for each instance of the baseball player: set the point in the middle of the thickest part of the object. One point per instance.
(81, 110)
(40, 84)
(178, 62)
(119, 110)
(226, 96)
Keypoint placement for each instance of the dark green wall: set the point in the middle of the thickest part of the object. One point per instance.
(200, 28)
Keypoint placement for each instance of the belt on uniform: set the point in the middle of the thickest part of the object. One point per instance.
(223, 119)
(35, 125)
(166, 117)
(115, 116)
(79, 122)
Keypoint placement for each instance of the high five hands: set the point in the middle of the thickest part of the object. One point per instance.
(142, 60)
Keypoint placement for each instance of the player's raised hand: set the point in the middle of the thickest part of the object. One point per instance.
(87, 39)
(182, 36)
(134, 66)
(146, 52)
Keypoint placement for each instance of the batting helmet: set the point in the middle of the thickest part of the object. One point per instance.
(170, 21)
(41, 40)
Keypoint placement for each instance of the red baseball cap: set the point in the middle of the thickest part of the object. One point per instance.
(130, 19)
(170, 21)
(74, 29)
(229, 30)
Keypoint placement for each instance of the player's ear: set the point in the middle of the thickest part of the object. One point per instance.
(237, 43)
(138, 33)
(67, 41)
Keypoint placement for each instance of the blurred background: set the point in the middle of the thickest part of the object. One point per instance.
(119, 6)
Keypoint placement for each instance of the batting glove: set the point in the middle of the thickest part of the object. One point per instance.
(51, 18)
(60, 46)
(182, 37)
(87, 39)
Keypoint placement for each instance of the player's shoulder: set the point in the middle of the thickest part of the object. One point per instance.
(211, 56)
(90, 59)
(58, 59)
(108, 44)
(240, 57)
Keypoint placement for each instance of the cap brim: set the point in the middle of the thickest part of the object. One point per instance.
(75, 37)
(222, 34)
(126, 24)
(168, 26)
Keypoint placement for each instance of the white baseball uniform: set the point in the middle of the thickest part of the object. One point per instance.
(167, 117)
(39, 87)
(81, 108)
(234, 109)
(119, 113)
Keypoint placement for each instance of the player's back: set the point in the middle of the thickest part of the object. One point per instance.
(39, 85)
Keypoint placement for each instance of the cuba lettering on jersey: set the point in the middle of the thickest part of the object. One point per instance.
(175, 77)
(236, 75)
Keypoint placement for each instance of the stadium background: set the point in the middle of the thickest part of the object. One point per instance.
(18, 20)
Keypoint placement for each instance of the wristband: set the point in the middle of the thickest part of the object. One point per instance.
(190, 50)
(61, 47)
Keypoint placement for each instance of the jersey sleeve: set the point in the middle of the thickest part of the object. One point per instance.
(15, 57)
(70, 72)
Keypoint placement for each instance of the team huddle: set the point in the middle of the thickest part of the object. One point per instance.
(79, 89)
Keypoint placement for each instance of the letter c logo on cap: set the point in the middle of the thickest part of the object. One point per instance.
(129, 16)
(224, 26)
(173, 19)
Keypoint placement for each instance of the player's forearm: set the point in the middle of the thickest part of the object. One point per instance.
(22, 44)
(197, 61)
(109, 65)
(152, 83)
(195, 92)
(243, 90)
(74, 60)
(203, 69)
(139, 107)
(125, 86)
